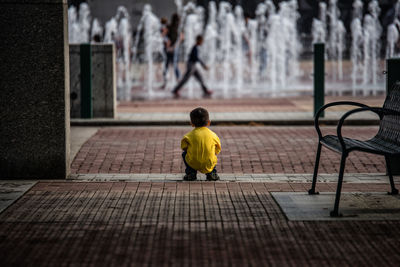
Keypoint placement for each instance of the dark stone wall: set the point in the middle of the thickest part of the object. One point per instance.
(34, 88)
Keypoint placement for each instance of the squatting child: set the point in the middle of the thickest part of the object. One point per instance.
(200, 147)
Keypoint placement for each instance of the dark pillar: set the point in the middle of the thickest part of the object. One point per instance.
(34, 89)
(86, 81)
(392, 77)
(319, 77)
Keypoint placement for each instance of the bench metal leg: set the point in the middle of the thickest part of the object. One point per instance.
(314, 181)
(335, 211)
(392, 186)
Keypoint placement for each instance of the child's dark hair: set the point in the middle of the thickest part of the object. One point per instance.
(199, 117)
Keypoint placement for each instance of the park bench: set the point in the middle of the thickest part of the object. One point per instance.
(386, 142)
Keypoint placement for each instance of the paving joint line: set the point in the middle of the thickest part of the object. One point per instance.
(272, 178)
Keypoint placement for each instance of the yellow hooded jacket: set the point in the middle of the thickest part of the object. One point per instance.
(202, 146)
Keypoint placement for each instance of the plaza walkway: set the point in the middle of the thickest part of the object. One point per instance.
(183, 224)
(126, 205)
(245, 149)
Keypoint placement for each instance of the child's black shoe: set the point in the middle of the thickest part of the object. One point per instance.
(213, 176)
(190, 177)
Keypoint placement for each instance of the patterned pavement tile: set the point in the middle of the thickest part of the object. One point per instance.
(181, 224)
(250, 150)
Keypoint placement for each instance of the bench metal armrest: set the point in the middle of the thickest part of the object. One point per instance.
(338, 103)
(381, 112)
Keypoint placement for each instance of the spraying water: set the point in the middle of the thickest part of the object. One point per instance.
(84, 22)
(259, 55)
(226, 20)
(153, 43)
(111, 31)
(356, 42)
(118, 31)
(277, 70)
(210, 41)
(295, 46)
(252, 29)
(97, 30)
(319, 25)
(372, 34)
(341, 32)
(239, 39)
(124, 38)
(393, 33)
(191, 29)
(79, 26)
(261, 49)
(179, 7)
(337, 33)
(73, 25)
(283, 46)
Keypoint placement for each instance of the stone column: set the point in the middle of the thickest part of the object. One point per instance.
(104, 90)
(104, 81)
(34, 89)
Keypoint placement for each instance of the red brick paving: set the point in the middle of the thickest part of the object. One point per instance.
(244, 150)
(183, 224)
(304, 103)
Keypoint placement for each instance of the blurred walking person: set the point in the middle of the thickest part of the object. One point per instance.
(170, 35)
(192, 70)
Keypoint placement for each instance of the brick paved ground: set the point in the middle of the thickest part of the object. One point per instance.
(183, 224)
(244, 150)
(239, 105)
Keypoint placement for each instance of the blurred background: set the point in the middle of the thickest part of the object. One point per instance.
(308, 9)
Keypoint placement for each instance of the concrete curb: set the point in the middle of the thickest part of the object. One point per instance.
(353, 178)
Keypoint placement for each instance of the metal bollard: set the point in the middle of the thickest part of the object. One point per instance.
(393, 77)
(86, 81)
(319, 77)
